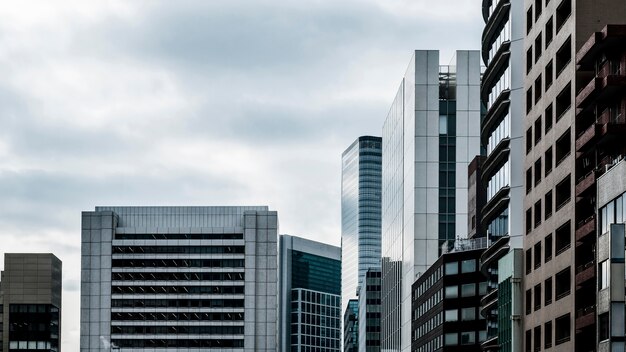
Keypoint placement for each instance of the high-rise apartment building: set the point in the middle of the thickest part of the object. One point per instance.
(565, 93)
(502, 134)
(369, 312)
(30, 303)
(361, 174)
(430, 135)
(309, 296)
(184, 278)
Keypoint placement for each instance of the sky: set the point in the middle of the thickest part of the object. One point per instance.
(219, 102)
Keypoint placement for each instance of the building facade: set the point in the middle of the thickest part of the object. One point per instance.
(446, 302)
(184, 278)
(30, 302)
(360, 213)
(351, 327)
(309, 296)
(369, 312)
(502, 134)
(561, 164)
(429, 137)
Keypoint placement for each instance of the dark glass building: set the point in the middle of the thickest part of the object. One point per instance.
(309, 295)
(369, 312)
(30, 303)
(351, 327)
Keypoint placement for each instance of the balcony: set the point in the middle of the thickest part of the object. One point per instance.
(584, 139)
(488, 302)
(585, 228)
(493, 117)
(585, 317)
(600, 88)
(584, 273)
(597, 42)
(586, 183)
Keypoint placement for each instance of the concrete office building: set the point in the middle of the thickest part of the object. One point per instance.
(429, 137)
(30, 302)
(361, 173)
(184, 278)
(502, 134)
(309, 296)
(369, 312)
(446, 301)
(561, 165)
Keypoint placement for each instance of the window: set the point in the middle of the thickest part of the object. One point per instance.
(538, 173)
(563, 102)
(529, 60)
(443, 124)
(549, 33)
(529, 340)
(529, 140)
(547, 255)
(548, 161)
(537, 333)
(548, 116)
(549, 69)
(468, 290)
(529, 19)
(562, 329)
(562, 283)
(537, 258)
(529, 296)
(562, 192)
(537, 298)
(563, 11)
(547, 288)
(452, 291)
(529, 220)
(563, 56)
(529, 99)
(529, 180)
(604, 326)
(468, 337)
(563, 238)
(452, 315)
(538, 213)
(563, 146)
(538, 48)
(451, 339)
(452, 268)
(604, 274)
(538, 9)
(547, 334)
(468, 313)
(548, 205)
(529, 261)
(538, 130)
(468, 266)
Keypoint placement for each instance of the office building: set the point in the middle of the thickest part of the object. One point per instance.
(476, 194)
(369, 312)
(184, 278)
(309, 296)
(351, 327)
(361, 174)
(502, 134)
(30, 302)
(430, 135)
(446, 301)
(563, 101)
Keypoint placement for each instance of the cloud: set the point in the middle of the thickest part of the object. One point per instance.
(196, 103)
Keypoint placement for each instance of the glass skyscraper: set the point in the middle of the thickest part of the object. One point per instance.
(430, 135)
(361, 174)
(309, 295)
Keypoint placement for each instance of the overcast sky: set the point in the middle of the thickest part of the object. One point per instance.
(196, 103)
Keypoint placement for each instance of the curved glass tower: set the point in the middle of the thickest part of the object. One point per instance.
(360, 213)
(501, 134)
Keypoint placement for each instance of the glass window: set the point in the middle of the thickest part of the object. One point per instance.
(452, 315)
(468, 290)
(603, 275)
(443, 124)
(619, 215)
(451, 339)
(452, 291)
(452, 268)
(468, 338)
(468, 313)
(468, 266)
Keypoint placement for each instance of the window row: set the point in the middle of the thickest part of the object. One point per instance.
(561, 333)
(563, 241)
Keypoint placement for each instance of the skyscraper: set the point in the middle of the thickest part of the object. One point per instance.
(184, 278)
(430, 135)
(30, 302)
(502, 133)
(361, 173)
(309, 296)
